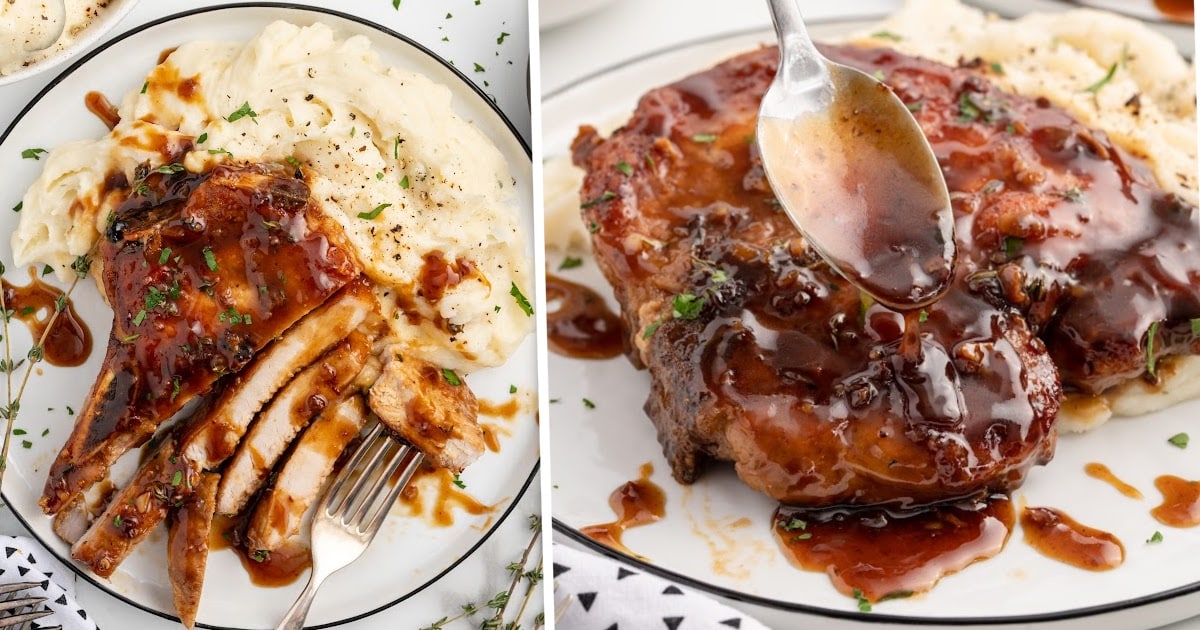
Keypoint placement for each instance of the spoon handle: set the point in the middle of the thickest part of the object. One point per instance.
(802, 68)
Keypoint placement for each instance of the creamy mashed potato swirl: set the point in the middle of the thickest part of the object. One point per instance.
(412, 183)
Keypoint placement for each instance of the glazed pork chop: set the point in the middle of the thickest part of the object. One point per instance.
(201, 271)
(760, 355)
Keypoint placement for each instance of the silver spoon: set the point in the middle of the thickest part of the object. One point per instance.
(855, 173)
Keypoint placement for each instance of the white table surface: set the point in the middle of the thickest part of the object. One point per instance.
(472, 35)
(628, 29)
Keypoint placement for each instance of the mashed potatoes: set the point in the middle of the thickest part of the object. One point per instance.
(384, 154)
(32, 30)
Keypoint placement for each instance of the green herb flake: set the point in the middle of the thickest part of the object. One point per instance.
(45, 432)
(1196, 326)
(164, 256)
(512, 389)
(379, 176)
(479, 68)
(705, 138)
(923, 316)
(26, 444)
(219, 152)
(261, 555)
(177, 478)
(210, 259)
(292, 160)
(1151, 360)
(20, 204)
(404, 182)
(459, 482)
(605, 196)
(968, 111)
(794, 524)
(522, 301)
(589, 404)
(570, 262)
(32, 154)
(375, 212)
(624, 168)
(19, 431)
(879, 75)
(864, 604)
(203, 138)
(687, 306)
(804, 536)
(1179, 439)
(117, 521)
(396, 4)
(915, 106)
(451, 377)
(145, 86)
(646, 334)
(1156, 538)
(996, 67)
(886, 35)
(500, 40)
(47, 270)
(1013, 245)
(1095, 87)
(139, 318)
(243, 112)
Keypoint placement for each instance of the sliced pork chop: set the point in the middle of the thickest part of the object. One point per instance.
(201, 271)
(188, 530)
(279, 512)
(430, 407)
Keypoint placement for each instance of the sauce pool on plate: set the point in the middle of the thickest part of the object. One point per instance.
(1056, 535)
(635, 503)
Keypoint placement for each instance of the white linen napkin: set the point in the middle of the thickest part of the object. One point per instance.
(608, 595)
(25, 560)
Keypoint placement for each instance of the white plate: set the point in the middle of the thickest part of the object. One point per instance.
(409, 554)
(704, 542)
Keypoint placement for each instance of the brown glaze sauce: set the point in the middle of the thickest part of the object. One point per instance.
(582, 326)
(506, 410)
(635, 503)
(882, 554)
(1056, 535)
(439, 274)
(69, 342)
(99, 105)
(1181, 502)
(1101, 472)
(281, 567)
(1177, 10)
(447, 497)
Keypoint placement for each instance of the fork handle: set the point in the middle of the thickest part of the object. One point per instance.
(294, 619)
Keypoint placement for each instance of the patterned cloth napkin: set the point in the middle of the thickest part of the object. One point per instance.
(607, 595)
(25, 560)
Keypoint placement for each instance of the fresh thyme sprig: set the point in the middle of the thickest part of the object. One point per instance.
(520, 573)
(12, 405)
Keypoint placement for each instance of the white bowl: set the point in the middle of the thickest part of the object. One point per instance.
(101, 24)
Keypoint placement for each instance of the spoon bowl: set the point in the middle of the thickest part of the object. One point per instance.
(855, 173)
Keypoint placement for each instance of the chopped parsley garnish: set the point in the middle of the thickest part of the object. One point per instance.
(864, 604)
(593, 227)
(155, 298)
(705, 138)
(164, 256)
(915, 106)
(500, 40)
(522, 301)
(139, 318)
(169, 169)
(219, 152)
(459, 482)
(81, 265)
(804, 536)
(625, 168)
(26, 444)
(479, 68)
(379, 176)
(687, 306)
(20, 204)
(117, 521)
(243, 112)
(203, 138)
(923, 316)
(651, 328)
(589, 404)
(404, 182)
(1095, 87)
(375, 212)
(260, 556)
(210, 259)
(32, 154)
(608, 194)
(1196, 326)
(451, 377)
(1013, 245)
(396, 148)
(570, 262)
(145, 86)
(886, 35)
(19, 431)
(130, 338)
(233, 317)
(996, 67)
(794, 524)
(967, 109)
(396, 4)
(1155, 539)
(177, 478)
(1151, 360)
(512, 389)
(1179, 439)
(292, 160)
(47, 270)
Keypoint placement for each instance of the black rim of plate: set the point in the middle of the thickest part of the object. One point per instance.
(384, 31)
(766, 602)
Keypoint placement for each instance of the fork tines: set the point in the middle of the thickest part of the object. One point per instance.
(353, 498)
(19, 604)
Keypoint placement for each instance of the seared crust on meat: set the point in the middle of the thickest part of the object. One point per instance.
(759, 354)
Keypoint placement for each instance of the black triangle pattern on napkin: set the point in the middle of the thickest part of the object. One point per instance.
(586, 600)
(560, 569)
(623, 573)
(672, 590)
(21, 554)
(612, 627)
(672, 622)
(22, 570)
(9, 551)
(736, 622)
(62, 600)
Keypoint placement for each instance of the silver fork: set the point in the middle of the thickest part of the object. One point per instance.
(352, 510)
(13, 611)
